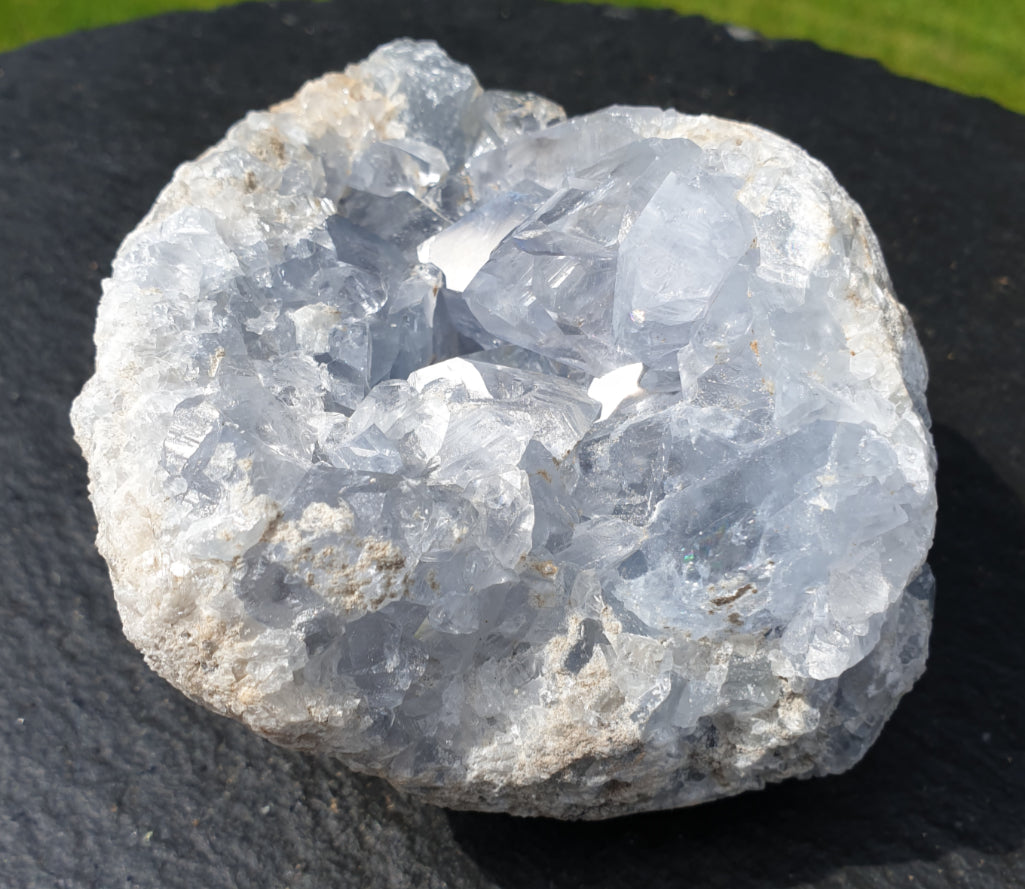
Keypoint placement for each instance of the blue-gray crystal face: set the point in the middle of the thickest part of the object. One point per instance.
(566, 467)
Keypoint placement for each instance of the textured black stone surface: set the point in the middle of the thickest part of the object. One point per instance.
(110, 778)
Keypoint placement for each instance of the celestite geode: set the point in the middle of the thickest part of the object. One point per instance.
(565, 467)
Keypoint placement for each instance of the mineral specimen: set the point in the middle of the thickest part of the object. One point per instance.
(565, 467)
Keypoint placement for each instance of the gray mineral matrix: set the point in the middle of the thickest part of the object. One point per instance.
(559, 467)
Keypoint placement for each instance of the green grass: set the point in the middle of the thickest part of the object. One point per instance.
(22, 21)
(973, 46)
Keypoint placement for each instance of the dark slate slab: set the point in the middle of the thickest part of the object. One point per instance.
(110, 778)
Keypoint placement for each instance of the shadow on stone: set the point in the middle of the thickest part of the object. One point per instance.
(944, 780)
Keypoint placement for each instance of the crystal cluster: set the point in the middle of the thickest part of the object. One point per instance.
(567, 467)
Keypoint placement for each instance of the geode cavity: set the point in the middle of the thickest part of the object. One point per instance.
(564, 467)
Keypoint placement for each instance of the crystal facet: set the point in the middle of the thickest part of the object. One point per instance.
(565, 467)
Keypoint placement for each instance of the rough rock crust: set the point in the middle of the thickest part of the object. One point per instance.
(253, 585)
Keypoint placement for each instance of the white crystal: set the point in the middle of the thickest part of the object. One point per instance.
(610, 390)
(565, 467)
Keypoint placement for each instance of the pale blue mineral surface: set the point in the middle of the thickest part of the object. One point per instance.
(567, 467)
